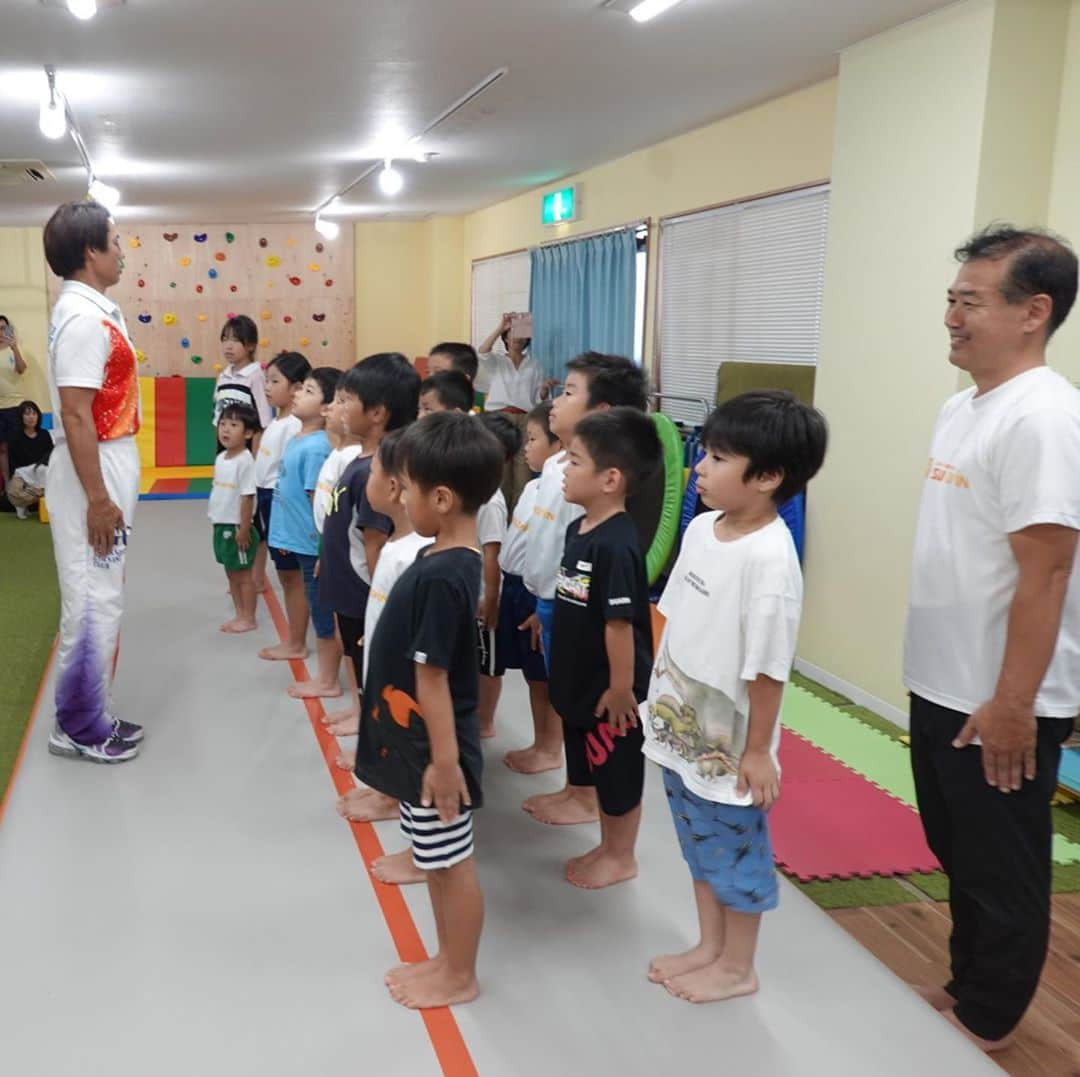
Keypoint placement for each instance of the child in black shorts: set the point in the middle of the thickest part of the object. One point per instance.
(419, 734)
(601, 652)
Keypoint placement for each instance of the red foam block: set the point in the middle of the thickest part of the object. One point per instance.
(832, 823)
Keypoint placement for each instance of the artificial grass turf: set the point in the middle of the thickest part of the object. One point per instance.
(29, 615)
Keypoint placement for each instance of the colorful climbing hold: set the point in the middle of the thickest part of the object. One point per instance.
(304, 342)
(135, 242)
(325, 342)
(140, 355)
(172, 284)
(229, 237)
(273, 261)
(294, 280)
(169, 237)
(145, 319)
(263, 242)
(196, 359)
(218, 368)
(319, 248)
(212, 274)
(265, 315)
(232, 287)
(141, 283)
(219, 256)
(264, 343)
(287, 319)
(169, 319)
(290, 242)
(184, 342)
(314, 267)
(329, 282)
(199, 288)
(199, 237)
(202, 317)
(185, 261)
(318, 317)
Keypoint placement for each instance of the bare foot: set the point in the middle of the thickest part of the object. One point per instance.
(938, 997)
(346, 761)
(440, 987)
(543, 800)
(668, 966)
(713, 983)
(487, 731)
(367, 806)
(314, 690)
(569, 811)
(282, 652)
(533, 760)
(260, 587)
(397, 869)
(400, 974)
(576, 863)
(237, 625)
(603, 870)
(346, 727)
(346, 715)
(989, 1046)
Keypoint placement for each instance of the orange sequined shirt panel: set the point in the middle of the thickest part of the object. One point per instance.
(116, 406)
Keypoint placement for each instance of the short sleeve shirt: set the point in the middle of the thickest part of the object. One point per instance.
(552, 514)
(234, 478)
(89, 348)
(271, 449)
(601, 579)
(292, 522)
(244, 386)
(428, 620)
(512, 554)
(341, 588)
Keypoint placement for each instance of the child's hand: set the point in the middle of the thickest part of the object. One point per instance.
(533, 627)
(243, 537)
(489, 611)
(444, 786)
(758, 776)
(620, 707)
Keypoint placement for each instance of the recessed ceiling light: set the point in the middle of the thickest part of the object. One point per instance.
(649, 9)
(390, 179)
(82, 9)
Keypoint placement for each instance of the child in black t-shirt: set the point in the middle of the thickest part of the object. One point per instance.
(419, 733)
(601, 652)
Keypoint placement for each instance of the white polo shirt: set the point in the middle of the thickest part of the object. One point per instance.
(510, 386)
(89, 348)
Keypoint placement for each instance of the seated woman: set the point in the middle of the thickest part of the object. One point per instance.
(30, 447)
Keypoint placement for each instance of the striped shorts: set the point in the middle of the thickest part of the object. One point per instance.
(436, 844)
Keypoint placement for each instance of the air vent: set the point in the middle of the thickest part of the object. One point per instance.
(17, 173)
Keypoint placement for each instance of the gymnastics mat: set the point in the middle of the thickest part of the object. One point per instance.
(175, 483)
(831, 823)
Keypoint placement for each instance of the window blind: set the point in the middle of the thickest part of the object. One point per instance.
(739, 284)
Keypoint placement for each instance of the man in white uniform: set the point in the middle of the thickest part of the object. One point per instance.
(992, 655)
(93, 481)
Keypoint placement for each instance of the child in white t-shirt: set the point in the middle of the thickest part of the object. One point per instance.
(346, 448)
(732, 603)
(284, 375)
(232, 511)
(513, 643)
(384, 493)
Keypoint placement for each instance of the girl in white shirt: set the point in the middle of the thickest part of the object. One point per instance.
(284, 375)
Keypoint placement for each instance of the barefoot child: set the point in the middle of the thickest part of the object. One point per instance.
(378, 395)
(513, 644)
(385, 494)
(419, 737)
(490, 531)
(293, 539)
(232, 509)
(594, 382)
(732, 603)
(242, 381)
(284, 375)
(601, 650)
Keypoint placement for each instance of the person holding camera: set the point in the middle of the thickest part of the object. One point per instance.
(12, 368)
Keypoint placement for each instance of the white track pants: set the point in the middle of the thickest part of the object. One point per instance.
(91, 588)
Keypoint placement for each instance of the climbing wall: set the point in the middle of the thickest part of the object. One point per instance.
(182, 282)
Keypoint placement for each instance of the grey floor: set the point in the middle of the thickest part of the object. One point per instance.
(204, 911)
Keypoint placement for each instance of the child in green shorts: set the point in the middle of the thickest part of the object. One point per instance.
(232, 509)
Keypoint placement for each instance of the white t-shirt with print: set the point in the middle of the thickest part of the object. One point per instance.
(512, 554)
(732, 612)
(999, 462)
(272, 448)
(394, 558)
(234, 477)
(491, 526)
(552, 515)
(332, 469)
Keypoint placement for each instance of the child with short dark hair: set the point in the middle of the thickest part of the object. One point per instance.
(419, 736)
(454, 355)
(490, 531)
(594, 382)
(232, 510)
(294, 539)
(449, 390)
(732, 603)
(378, 395)
(601, 650)
(514, 647)
(242, 381)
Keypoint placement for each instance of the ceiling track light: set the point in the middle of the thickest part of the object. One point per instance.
(108, 196)
(649, 9)
(329, 229)
(52, 118)
(390, 180)
(82, 9)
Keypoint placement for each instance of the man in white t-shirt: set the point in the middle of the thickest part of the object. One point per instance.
(93, 481)
(992, 653)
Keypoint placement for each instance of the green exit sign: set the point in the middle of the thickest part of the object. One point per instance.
(560, 206)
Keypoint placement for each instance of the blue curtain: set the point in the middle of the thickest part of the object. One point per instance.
(581, 295)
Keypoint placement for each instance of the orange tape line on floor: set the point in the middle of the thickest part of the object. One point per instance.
(442, 1028)
(29, 725)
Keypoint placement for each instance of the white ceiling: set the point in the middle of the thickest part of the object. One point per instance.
(210, 110)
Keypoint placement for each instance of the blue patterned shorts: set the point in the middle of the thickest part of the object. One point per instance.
(726, 846)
